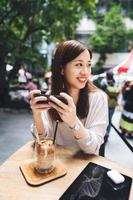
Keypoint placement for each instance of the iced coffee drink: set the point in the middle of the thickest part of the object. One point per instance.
(44, 156)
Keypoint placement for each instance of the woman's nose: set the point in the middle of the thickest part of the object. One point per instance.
(85, 70)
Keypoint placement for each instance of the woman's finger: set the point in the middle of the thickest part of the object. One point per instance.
(56, 107)
(34, 105)
(68, 98)
(33, 92)
(58, 102)
(40, 107)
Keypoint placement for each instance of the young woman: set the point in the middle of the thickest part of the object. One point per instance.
(84, 119)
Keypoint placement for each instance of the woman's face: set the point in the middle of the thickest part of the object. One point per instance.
(78, 71)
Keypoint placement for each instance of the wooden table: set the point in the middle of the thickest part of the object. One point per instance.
(14, 187)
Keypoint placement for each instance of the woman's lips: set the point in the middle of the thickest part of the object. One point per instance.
(82, 79)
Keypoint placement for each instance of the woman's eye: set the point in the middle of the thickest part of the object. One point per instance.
(89, 65)
(79, 64)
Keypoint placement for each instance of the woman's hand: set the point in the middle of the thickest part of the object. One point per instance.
(66, 112)
(34, 101)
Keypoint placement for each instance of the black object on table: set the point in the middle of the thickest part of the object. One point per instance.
(93, 183)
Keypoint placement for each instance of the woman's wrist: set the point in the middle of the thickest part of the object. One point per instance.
(78, 129)
(36, 112)
(38, 124)
(75, 123)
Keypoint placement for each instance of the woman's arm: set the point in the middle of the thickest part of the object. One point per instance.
(91, 136)
(37, 111)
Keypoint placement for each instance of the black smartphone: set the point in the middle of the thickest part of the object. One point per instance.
(48, 99)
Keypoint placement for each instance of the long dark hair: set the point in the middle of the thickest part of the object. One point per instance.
(66, 52)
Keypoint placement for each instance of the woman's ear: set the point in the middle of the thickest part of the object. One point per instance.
(62, 71)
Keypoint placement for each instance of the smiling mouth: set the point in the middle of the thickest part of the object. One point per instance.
(83, 80)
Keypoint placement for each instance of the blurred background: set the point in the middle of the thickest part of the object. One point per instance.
(30, 31)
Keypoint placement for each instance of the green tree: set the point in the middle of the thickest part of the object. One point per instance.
(130, 39)
(103, 6)
(110, 35)
(24, 25)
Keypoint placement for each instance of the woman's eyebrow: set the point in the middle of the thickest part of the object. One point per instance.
(81, 61)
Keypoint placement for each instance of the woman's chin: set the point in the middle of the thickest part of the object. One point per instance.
(82, 85)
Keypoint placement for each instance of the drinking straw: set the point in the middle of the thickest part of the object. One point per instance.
(57, 122)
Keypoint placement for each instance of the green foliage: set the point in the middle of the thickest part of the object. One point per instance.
(103, 6)
(130, 39)
(110, 34)
(24, 25)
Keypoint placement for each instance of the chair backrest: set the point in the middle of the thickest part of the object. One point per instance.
(102, 148)
(122, 137)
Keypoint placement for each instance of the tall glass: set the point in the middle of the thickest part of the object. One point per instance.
(44, 155)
